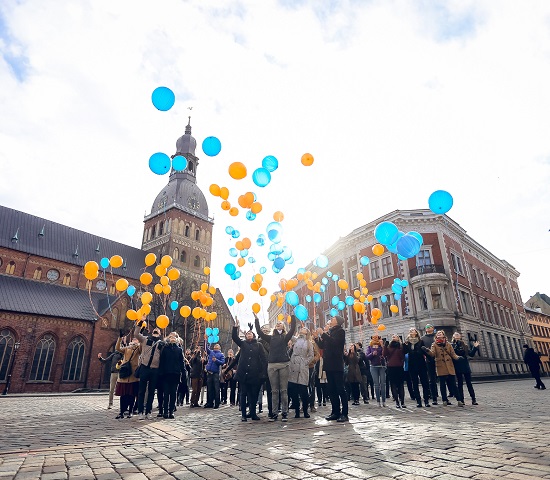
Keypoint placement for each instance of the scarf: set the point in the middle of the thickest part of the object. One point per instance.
(441, 341)
(413, 340)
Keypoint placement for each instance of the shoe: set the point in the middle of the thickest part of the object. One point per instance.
(324, 404)
(187, 403)
(255, 417)
(397, 405)
(110, 406)
(119, 416)
(171, 416)
(164, 416)
(427, 404)
(244, 419)
(474, 402)
(318, 404)
(313, 409)
(403, 405)
(460, 404)
(208, 406)
(543, 388)
(342, 419)
(260, 410)
(141, 416)
(160, 415)
(129, 415)
(434, 402)
(148, 416)
(306, 415)
(248, 415)
(365, 401)
(419, 405)
(273, 417)
(135, 412)
(332, 416)
(284, 417)
(383, 404)
(446, 402)
(175, 409)
(216, 406)
(297, 415)
(379, 404)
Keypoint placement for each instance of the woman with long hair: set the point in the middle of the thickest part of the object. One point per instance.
(417, 367)
(127, 388)
(351, 358)
(298, 378)
(375, 355)
(395, 358)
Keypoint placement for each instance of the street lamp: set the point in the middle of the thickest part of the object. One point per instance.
(16, 346)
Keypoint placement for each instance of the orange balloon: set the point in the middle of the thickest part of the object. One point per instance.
(196, 313)
(185, 311)
(173, 274)
(246, 242)
(145, 310)
(224, 193)
(215, 190)
(369, 298)
(256, 207)
(91, 267)
(374, 321)
(146, 298)
(131, 314)
(162, 321)
(195, 295)
(364, 291)
(150, 258)
(378, 249)
(254, 286)
(225, 205)
(157, 288)
(307, 159)
(206, 270)
(381, 327)
(343, 284)
(300, 276)
(91, 275)
(239, 297)
(278, 216)
(363, 282)
(121, 284)
(116, 261)
(166, 261)
(394, 308)
(242, 201)
(273, 298)
(239, 245)
(160, 270)
(360, 276)
(164, 280)
(256, 308)
(262, 291)
(376, 313)
(213, 316)
(212, 290)
(237, 170)
(356, 293)
(166, 289)
(204, 287)
(280, 317)
(233, 211)
(240, 262)
(258, 278)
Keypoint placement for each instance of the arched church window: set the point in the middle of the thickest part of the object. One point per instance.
(74, 360)
(176, 253)
(191, 166)
(154, 231)
(197, 234)
(7, 344)
(37, 274)
(183, 256)
(67, 279)
(43, 359)
(197, 262)
(161, 228)
(10, 268)
(187, 230)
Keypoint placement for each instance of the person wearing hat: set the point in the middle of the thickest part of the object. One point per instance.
(151, 346)
(533, 361)
(427, 341)
(251, 370)
(332, 341)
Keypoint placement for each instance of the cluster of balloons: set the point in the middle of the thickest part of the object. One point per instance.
(91, 268)
(212, 334)
(204, 297)
(405, 245)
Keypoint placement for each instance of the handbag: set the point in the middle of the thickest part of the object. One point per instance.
(125, 369)
(137, 373)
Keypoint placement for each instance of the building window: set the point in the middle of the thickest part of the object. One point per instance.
(190, 166)
(37, 274)
(374, 270)
(490, 282)
(67, 279)
(10, 268)
(483, 281)
(187, 230)
(161, 228)
(474, 275)
(423, 301)
(353, 282)
(154, 231)
(176, 253)
(7, 343)
(183, 256)
(457, 264)
(435, 291)
(74, 360)
(197, 234)
(112, 289)
(465, 302)
(43, 359)
(387, 267)
(423, 258)
(504, 295)
(197, 261)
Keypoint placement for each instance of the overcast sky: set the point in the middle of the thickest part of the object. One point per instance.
(395, 99)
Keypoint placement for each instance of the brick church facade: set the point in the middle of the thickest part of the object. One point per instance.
(54, 322)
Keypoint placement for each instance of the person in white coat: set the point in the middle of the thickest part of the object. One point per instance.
(298, 379)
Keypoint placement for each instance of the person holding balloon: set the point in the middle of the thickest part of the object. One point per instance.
(377, 361)
(278, 364)
(127, 388)
(216, 359)
(417, 367)
(298, 379)
(170, 368)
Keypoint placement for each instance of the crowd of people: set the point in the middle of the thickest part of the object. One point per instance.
(297, 371)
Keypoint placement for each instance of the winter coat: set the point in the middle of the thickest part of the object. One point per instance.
(252, 361)
(462, 365)
(427, 341)
(332, 343)
(376, 360)
(417, 357)
(444, 356)
(130, 354)
(114, 358)
(216, 359)
(316, 355)
(364, 364)
(354, 372)
(395, 355)
(532, 360)
(302, 354)
(171, 360)
(278, 342)
(196, 366)
(147, 344)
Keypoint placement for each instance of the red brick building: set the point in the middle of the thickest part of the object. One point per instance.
(54, 322)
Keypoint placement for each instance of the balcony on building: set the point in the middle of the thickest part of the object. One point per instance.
(426, 269)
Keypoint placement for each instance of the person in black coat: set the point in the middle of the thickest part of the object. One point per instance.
(462, 367)
(332, 341)
(251, 370)
(534, 363)
(417, 367)
(427, 341)
(170, 367)
(196, 367)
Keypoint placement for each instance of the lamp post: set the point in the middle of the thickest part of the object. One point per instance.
(8, 382)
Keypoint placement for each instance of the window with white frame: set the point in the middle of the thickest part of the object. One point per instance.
(457, 263)
(465, 302)
(387, 267)
(423, 258)
(435, 292)
(483, 281)
(490, 282)
(482, 312)
(474, 275)
(353, 282)
(504, 294)
(422, 300)
(374, 270)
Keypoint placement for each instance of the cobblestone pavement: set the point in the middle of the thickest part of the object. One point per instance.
(506, 436)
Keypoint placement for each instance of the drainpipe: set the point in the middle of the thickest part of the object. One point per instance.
(90, 353)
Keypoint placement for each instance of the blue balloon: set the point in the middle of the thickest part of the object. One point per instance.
(261, 177)
(292, 298)
(211, 146)
(276, 249)
(350, 300)
(208, 331)
(216, 339)
(329, 274)
(317, 297)
(364, 261)
(244, 252)
(179, 163)
(397, 288)
(397, 296)
(104, 262)
(163, 98)
(251, 260)
(324, 281)
(386, 233)
(440, 202)
(230, 269)
(260, 240)
(229, 230)
(333, 312)
(279, 263)
(308, 298)
(301, 313)
(230, 301)
(263, 270)
(159, 163)
(286, 253)
(275, 269)
(401, 257)
(323, 288)
(233, 252)
(404, 283)
(131, 290)
(335, 278)
(335, 300)
(270, 163)
(250, 215)
(215, 331)
(408, 246)
(393, 247)
(237, 275)
(236, 234)
(271, 256)
(383, 299)
(301, 270)
(341, 305)
(211, 339)
(322, 261)
(174, 305)
(274, 232)
(290, 261)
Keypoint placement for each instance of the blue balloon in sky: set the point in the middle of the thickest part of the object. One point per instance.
(279, 263)
(317, 297)
(393, 247)
(270, 163)
(179, 163)
(211, 146)
(233, 252)
(159, 163)
(131, 290)
(440, 202)
(251, 260)
(329, 274)
(301, 313)
(260, 241)
(323, 288)
(397, 296)
(397, 288)
(417, 236)
(104, 262)
(341, 305)
(230, 301)
(230, 269)
(229, 230)
(301, 270)
(250, 215)
(208, 331)
(350, 300)
(322, 261)
(211, 339)
(290, 261)
(261, 177)
(333, 312)
(404, 283)
(324, 281)
(215, 331)
(386, 233)
(263, 270)
(274, 232)
(408, 246)
(335, 300)
(163, 98)
(308, 298)
(173, 305)
(235, 234)
(364, 261)
(292, 298)
(244, 252)
(335, 278)
(383, 299)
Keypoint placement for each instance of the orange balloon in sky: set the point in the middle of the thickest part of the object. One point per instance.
(237, 170)
(215, 190)
(278, 216)
(307, 159)
(224, 193)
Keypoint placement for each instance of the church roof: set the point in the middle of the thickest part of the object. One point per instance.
(41, 298)
(26, 233)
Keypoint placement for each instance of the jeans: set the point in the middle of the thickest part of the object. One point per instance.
(379, 377)
(461, 377)
(147, 381)
(337, 393)
(447, 381)
(213, 389)
(278, 377)
(423, 375)
(248, 392)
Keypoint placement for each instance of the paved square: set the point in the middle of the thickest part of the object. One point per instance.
(506, 436)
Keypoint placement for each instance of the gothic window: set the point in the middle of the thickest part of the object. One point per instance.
(67, 279)
(197, 234)
(180, 228)
(190, 167)
(197, 261)
(161, 228)
(7, 342)
(43, 359)
(112, 289)
(183, 256)
(88, 284)
(72, 370)
(187, 230)
(203, 262)
(10, 268)
(176, 253)
(37, 274)
(154, 231)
